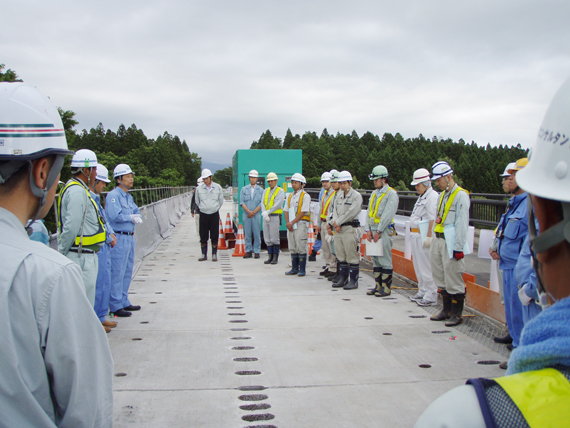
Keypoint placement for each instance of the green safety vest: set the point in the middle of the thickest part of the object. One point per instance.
(87, 240)
(272, 200)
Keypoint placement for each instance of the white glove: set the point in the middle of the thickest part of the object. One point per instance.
(265, 215)
(136, 218)
(329, 238)
(427, 242)
(525, 300)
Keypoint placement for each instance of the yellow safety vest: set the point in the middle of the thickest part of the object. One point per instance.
(325, 204)
(307, 215)
(439, 226)
(270, 205)
(87, 240)
(542, 396)
(373, 208)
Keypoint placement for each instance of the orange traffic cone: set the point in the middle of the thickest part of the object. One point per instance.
(362, 248)
(228, 227)
(221, 238)
(311, 238)
(240, 243)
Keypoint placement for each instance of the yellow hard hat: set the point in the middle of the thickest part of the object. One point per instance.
(520, 164)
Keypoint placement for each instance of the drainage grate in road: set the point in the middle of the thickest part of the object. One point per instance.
(228, 278)
(251, 388)
(441, 331)
(120, 374)
(417, 316)
(231, 292)
(246, 359)
(253, 397)
(248, 373)
(234, 307)
(237, 321)
(258, 417)
(230, 283)
(240, 338)
(425, 366)
(253, 407)
(243, 348)
(239, 329)
(233, 301)
(238, 314)
(488, 362)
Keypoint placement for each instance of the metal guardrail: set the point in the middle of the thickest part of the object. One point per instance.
(486, 208)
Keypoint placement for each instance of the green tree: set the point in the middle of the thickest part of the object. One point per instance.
(224, 176)
(8, 75)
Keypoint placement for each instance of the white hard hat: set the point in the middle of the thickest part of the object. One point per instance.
(344, 176)
(326, 176)
(253, 173)
(547, 173)
(298, 177)
(206, 173)
(271, 176)
(199, 181)
(122, 169)
(84, 159)
(440, 169)
(102, 174)
(30, 127)
(509, 166)
(420, 175)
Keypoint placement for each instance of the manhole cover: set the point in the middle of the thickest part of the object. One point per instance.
(258, 417)
(241, 338)
(253, 407)
(425, 366)
(120, 374)
(248, 373)
(488, 362)
(243, 348)
(441, 331)
(238, 321)
(251, 388)
(417, 316)
(253, 397)
(246, 359)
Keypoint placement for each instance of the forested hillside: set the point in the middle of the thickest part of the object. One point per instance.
(477, 168)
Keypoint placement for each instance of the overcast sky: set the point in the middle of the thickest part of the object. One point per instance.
(219, 73)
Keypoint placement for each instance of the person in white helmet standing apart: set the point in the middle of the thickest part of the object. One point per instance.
(345, 224)
(123, 215)
(56, 367)
(452, 213)
(209, 198)
(536, 390)
(81, 226)
(250, 199)
(297, 217)
(103, 285)
(382, 208)
(424, 210)
(272, 207)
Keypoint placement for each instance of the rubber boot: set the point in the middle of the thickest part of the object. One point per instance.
(313, 256)
(445, 313)
(353, 281)
(386, 289)
(457, 301)
(204, 253)
(214, 253)
(378, 279)
(336, 276)
(343, 277)
(294, 265)
(275, 254)
(302, 264)
(270, 255)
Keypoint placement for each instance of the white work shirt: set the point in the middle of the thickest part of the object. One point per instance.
(64, 378)
(425, 208)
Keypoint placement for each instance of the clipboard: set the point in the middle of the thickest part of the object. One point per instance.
(449, 233)
(423, 226)
(375, 249)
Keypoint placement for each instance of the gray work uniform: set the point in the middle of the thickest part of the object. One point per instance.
(448, 272)
(73, 206)
(386, 212)
(56, 367)
(298, 238)
(271, 227)
(328, 256)
(347, 209)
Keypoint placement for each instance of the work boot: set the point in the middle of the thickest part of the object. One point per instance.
(329, 274)
(256, 256)
(214, 253)
(204, 253)
(386, 289)
(302, 264)
(378, 279)
(445, 313)
(313, 256)
(132, 308)
(457, 301)
(504, 340)
(121, 313)
(353, 282)
(343, 277)
(269, 255)
(247, 255)
(275, 254)
(294, 265)
(336, 276)
(324, 272)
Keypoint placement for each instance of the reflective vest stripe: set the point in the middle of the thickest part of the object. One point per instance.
(307, 215)
(268, 207)
(373, 208)
(325, 204)
(100, 236)
(542, 396)
(439, 226)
